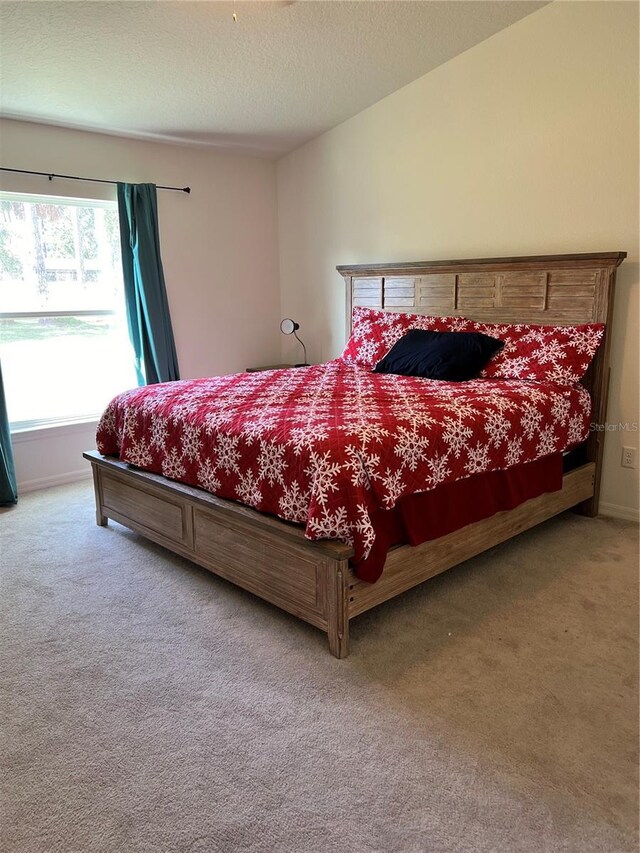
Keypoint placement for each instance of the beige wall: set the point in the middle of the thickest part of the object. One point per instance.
(219, 251)
(525, 144)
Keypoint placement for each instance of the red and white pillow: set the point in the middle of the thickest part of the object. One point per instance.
(544, 353)
(374, 332)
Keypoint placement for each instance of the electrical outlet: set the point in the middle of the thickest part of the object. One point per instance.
(628, 457)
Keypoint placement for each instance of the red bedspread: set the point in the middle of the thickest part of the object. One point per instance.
(330, 446)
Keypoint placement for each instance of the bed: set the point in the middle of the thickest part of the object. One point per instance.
(315, 580)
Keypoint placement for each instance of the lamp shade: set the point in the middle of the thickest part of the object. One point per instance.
(288, 326)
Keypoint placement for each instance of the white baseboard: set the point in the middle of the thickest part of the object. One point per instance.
(616, 511)
(55, 480)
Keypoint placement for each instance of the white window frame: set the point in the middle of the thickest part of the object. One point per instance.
(36, 198)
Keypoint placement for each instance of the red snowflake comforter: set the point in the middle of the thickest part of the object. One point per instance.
(329, 445)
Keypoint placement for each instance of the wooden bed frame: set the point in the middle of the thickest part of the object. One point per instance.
(313, 580)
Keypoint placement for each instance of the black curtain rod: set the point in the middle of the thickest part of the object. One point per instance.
(52, 175)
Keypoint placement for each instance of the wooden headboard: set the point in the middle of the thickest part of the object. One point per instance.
(552, 290)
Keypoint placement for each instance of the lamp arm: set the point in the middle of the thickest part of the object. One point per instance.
(304, 349)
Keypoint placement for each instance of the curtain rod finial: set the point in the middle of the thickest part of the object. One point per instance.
(186, 189)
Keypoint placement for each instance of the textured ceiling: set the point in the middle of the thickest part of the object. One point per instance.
(183, 71)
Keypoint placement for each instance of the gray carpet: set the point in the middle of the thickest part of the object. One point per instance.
(149, 706)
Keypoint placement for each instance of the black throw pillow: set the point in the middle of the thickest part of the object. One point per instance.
(452, 356)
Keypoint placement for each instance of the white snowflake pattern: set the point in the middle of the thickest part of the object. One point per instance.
(497, 428)
(323, 474)
(393, 486)
(547, 441)
(159, 431)
(362, 329)
(457, 435)
(191, 442)
(561, 407)
(108, 420)
(519, 366)
(411, 447)
(365, 530)
(216, 419)
(365, 432)
(304, 438)
(185, 410)
(172, 467)
(271, 462)
(458, 324)
(586, 340)
(391, 336)
(331, 525)
(493, 330)
(207, 476)
(514, 451)
(138, 454)
(550, 352)
(407, 403)
(478, 458)
(535, 336)
(530, 419)
(226, 453)
(248, 490)
(260, 423)
(294, 503)
(360, 464)
(558, 373)
(576, 432)
(462, 409)
(501, 404)
(533, 393)
(421, 419)
(438, 471)
(510, 346)
(130, 423)
(387, 318)
(368, 350)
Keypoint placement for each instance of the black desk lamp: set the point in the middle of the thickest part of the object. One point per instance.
(290, 327)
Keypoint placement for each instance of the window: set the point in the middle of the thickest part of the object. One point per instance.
(64, 345)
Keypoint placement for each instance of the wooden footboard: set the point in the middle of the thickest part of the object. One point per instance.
(259, 553)
(274, 560)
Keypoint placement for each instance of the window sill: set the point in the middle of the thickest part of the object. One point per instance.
(37, 433)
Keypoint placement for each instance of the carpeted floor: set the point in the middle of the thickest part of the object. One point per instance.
(148, 706)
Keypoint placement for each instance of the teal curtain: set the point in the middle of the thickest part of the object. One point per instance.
(8, 488)
(145, 292)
